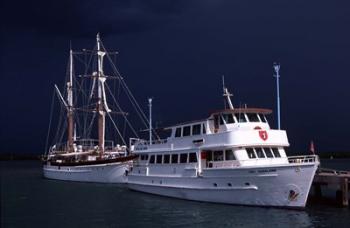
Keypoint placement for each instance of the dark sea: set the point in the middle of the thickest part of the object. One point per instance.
(29, 200)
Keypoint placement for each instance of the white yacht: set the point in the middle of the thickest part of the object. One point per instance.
(232, 157)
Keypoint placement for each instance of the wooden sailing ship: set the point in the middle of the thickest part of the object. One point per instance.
(81, 157)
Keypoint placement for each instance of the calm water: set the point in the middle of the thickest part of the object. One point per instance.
(29, 200)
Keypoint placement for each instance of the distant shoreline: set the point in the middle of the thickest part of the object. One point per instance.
(21, 157)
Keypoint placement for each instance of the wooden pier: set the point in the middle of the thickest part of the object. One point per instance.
(333, 180)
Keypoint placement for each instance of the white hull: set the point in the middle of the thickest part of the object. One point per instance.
(100, 173)
(258, 186)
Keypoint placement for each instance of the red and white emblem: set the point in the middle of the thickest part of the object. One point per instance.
(263, 135)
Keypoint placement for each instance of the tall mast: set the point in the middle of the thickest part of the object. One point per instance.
(70, 103)
(101, 97)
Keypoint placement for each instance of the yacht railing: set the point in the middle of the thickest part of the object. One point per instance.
(303, 159)
(262, 161)
(82, 145)
(141, 142)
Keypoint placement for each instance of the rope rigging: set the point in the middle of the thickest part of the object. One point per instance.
(86, 94)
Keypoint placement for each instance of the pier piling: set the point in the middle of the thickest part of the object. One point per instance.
(334, 180)
(345, 192)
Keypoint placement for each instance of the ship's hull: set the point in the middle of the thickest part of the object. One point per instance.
(99, 173)
(283, 186)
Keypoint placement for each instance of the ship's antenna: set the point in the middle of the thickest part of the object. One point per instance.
(150, 120)
(226, 94)
(276, 67)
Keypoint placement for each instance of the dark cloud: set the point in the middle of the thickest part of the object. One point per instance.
(79, 18)
(176, 51)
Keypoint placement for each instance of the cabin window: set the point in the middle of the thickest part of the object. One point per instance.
(144, 157)
(218, 155)
(203, 129)
(268, 152)
(151, 160)
(183, 158)
(250, 153)
(174, 158)
(260, 152)
(192, 157)
(253, 117)
(159, 159)
(240, 117)
(209, 156)
(186, 131)
(196, 129)
(178, 132)
(228, 118)
(221, 120)
(166, 159)
(276, 153)
(216, 121)
(262, 118)
(229, 155)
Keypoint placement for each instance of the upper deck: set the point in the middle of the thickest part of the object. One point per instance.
(226, 128)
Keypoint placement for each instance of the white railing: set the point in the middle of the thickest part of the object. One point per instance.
(81, 145)
(141, 144)
(303, 159)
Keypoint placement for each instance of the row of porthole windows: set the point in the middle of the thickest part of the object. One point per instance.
(170, 158)
(263, 152)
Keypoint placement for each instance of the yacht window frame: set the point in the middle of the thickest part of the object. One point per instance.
(157, 159)
(204, 131)
(232, 154)
(178, 132)
(269, 152)
(259, 152)
(254, 115)
(216, 121)
(173, 156)
(166, 159)
(228, 118)
(238, 117)
(276, 152)
(253, 152)
(196, 129)
(152, 159)
(222, 120)
(182, 157)
(192, 157)
(209, 155)
(262, 118)
(217, 155)
(184, 130)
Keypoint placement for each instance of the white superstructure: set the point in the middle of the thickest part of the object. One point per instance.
(232, 157)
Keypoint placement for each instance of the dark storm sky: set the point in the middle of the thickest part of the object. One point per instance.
(176, 52)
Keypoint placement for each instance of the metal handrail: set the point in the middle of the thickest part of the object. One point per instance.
(143, 142)
(303, 159)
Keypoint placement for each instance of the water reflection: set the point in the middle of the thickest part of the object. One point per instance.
(27, 198)
(174, 212)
